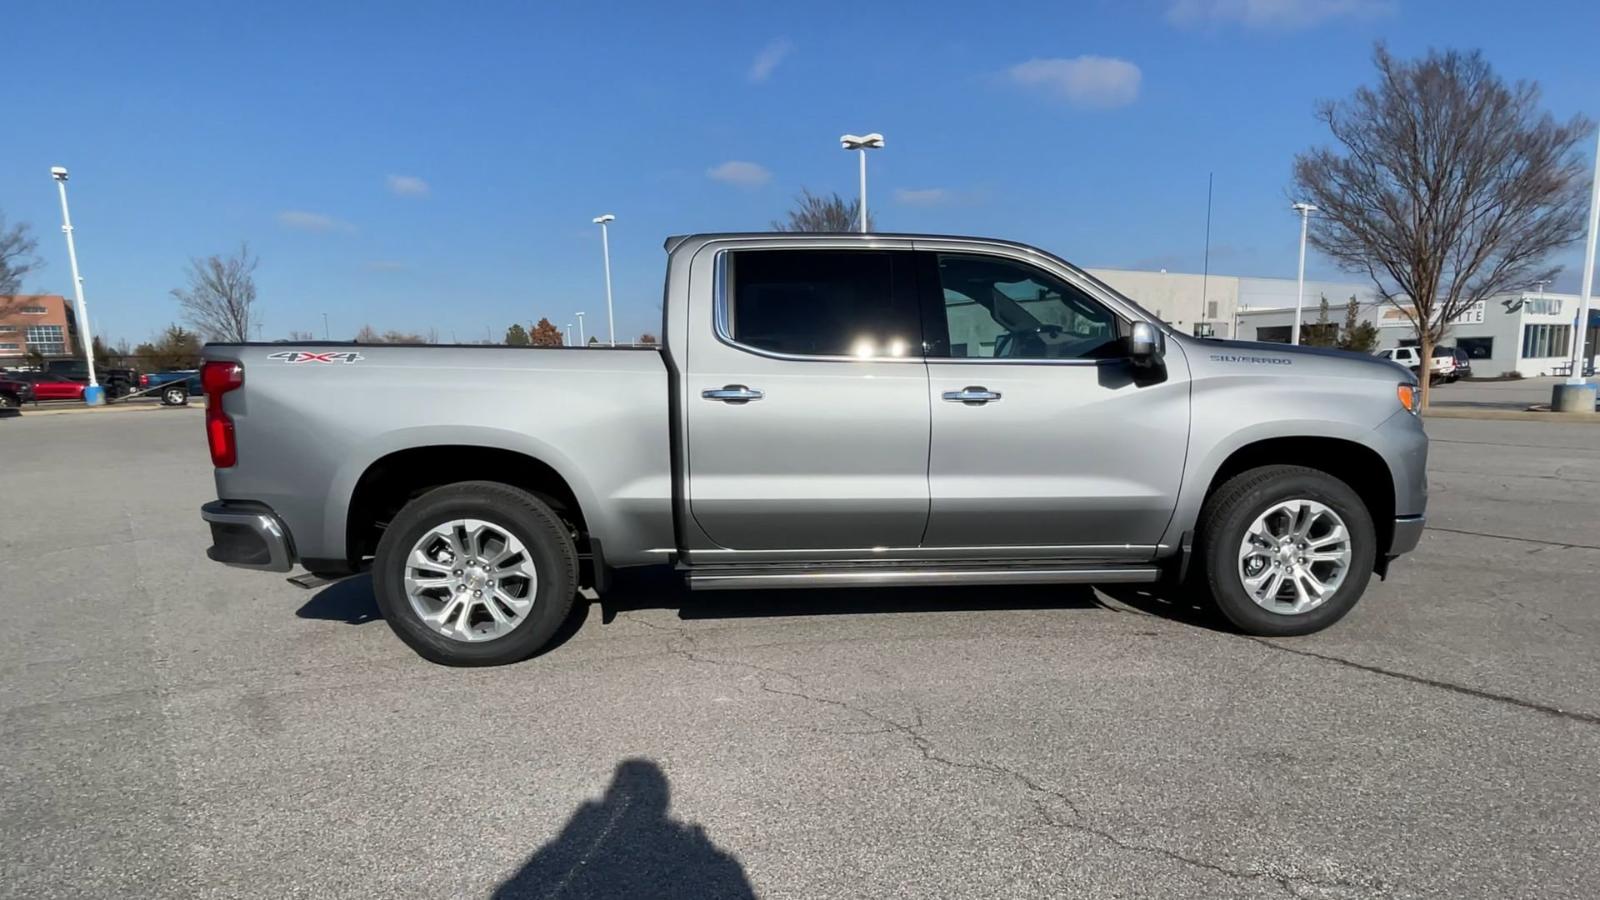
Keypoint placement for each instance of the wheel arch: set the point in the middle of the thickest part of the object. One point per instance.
(1352, 462)
(394, 479)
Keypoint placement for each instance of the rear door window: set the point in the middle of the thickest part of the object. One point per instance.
(826, 303)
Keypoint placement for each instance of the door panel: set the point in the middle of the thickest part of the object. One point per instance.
(834, 453)
(1044, 433)
(1072, 455)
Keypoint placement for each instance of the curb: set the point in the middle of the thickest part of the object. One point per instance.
(1511, 415)
(29, 411)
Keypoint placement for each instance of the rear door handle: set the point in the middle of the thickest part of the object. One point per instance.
(976, 394)
(733, 393)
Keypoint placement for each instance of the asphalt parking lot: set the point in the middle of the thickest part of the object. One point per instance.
(171, 727)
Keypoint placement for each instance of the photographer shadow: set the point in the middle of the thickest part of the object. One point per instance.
(626, 845)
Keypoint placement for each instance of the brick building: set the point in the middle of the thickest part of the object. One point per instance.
(41, 322)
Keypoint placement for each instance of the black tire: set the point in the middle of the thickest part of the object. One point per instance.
(174, 396)
(9, 402)
(1229, 513)
(540, 530)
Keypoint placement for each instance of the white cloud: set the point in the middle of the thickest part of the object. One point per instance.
(300, 220)
(768, 59)
(1087, 82)
(740, 174)
(407, 186)
(922, 196)
(1273, 14)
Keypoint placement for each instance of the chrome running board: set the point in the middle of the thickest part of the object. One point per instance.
(727, 578)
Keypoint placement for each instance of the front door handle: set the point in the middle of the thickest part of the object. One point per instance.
(976, 394)
(733, 393)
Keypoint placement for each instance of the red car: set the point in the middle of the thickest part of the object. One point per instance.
(50, 387)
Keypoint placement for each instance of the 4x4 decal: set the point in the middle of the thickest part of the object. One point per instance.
(303, 356)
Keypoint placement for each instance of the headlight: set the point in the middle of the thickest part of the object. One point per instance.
(1410, 397)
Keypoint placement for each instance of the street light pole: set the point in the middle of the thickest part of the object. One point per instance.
(861, 144)
(1580, 328)
(567, 338)
(1305, 210)
(93, 395)
(325, 327)
(605, 248)
(581, 341)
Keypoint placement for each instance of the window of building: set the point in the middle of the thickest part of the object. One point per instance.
(33, 310)
(1477, 347)
(8, 329)
(1002, 309)
(47, 339)
(1543, 341)
(9, 347)
(1274, 334)
(823, 302)
(1211, 309)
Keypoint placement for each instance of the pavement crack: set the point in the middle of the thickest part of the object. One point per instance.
(1547, 709)
(1565, 545)
(1290, 883)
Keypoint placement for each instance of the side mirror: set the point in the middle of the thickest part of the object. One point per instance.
(1146, 344)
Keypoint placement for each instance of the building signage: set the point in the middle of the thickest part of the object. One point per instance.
(1391, 316)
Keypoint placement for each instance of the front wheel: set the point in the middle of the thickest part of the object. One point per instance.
(1287, 550)
(475, 574)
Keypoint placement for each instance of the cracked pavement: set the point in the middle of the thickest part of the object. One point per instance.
(176, 728)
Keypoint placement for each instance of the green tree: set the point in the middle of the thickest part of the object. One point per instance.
(1358, 336)
(594, 341)
(175, 348)
(824, 214)
(517, 336)
(1323, 333)
(545, 334)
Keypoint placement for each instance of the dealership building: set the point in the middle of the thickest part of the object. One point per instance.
(41, 323)
(1527, 332)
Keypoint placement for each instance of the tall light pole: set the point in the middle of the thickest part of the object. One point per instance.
(605, 248)
(581, 342)
(1305, 210)
(861, 144)
(325, 327)
(1580, 329)
(93, 395)
(567, 338)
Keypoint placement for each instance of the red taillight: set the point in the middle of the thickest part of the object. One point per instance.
(144, 381)
(218, 377)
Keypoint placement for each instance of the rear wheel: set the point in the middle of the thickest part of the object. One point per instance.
(9, 402)
(1287, 550)
(174, 396)
(476, 574)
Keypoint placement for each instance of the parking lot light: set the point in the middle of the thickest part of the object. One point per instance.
(862, 143)
(1305, 210)
(93, 395)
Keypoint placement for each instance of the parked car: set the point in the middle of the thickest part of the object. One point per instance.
(14, 393)
(179, 385)
(1463, 363)
(1444, 366)
(51, 387)
(826, 411)
(117, 382)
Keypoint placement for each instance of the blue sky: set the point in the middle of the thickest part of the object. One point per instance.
(430, 165)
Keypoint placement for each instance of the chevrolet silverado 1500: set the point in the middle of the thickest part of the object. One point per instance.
(824, 411)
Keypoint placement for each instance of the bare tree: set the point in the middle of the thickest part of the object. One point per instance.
(1449, 186)
(17, 259)
(830, 213)
(221, 292)
(301, 337)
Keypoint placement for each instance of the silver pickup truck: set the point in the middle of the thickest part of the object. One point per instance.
(824, 411)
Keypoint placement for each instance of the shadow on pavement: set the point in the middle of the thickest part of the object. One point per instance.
(352, 602)
(626, 845)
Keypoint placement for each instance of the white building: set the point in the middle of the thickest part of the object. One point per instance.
(1525, 332)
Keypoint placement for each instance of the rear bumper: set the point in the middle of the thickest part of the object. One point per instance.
(248, 535)
(1407, 532)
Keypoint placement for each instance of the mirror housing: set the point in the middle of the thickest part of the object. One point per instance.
(1146, 344)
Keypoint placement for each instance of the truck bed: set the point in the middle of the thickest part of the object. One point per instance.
(312, 419)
